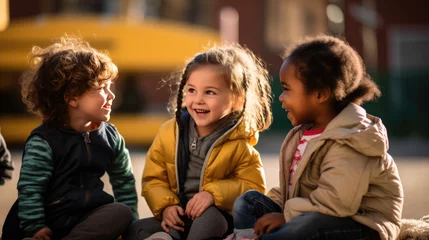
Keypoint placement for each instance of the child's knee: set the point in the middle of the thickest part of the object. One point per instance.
(132, 231)
(122, 213)
(134, 226)
(245, 199)
(251, 195)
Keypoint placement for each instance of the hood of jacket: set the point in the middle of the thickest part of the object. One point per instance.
(357, 129)
(240, 130)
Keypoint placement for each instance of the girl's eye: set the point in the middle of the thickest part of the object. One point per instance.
(191, 90)
(210, 93)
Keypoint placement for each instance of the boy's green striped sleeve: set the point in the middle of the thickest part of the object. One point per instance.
(122, 178)
(36, 170)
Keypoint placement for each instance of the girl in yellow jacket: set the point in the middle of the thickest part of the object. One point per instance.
(204, 158)
(337, 180)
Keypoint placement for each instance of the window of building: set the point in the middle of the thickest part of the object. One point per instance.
(288, 20)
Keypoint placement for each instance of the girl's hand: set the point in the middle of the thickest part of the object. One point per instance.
(170, 218)
(268, 223)
(43, 234)
(198, 204)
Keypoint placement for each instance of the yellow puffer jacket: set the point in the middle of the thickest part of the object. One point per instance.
(232, 167)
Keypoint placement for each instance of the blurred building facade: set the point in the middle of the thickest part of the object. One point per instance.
(391, 36)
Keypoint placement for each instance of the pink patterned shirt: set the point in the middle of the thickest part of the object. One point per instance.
(306, 137)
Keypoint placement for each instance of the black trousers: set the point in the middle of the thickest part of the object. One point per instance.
(93, 226)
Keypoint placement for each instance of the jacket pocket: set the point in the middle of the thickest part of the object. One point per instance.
(64, 213)
(95, 199)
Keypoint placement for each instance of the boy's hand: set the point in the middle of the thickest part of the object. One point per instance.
(198, 204)
(43, 234)
(171, 218)
(268, 223)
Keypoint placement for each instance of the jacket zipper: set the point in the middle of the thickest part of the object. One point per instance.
(194, 144)
(210, 151)
(87, 141)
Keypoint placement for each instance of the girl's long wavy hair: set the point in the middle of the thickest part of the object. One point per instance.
(64, 70)
(244, 72)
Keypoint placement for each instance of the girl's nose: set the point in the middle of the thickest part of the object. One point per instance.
(199, 99)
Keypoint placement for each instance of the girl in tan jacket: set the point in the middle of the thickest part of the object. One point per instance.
(337, 180)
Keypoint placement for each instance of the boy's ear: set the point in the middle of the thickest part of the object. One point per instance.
(72, 101)
(323, 95)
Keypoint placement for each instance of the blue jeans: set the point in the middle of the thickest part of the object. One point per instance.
(252, 205)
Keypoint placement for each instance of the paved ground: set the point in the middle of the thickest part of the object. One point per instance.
(414, 173)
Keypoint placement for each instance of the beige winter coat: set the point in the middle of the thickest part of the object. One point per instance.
(346, 171)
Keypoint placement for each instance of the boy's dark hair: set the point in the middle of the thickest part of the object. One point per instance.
(66, 69)
(325, 61)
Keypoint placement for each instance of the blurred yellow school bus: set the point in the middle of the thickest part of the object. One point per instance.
(144, 51)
